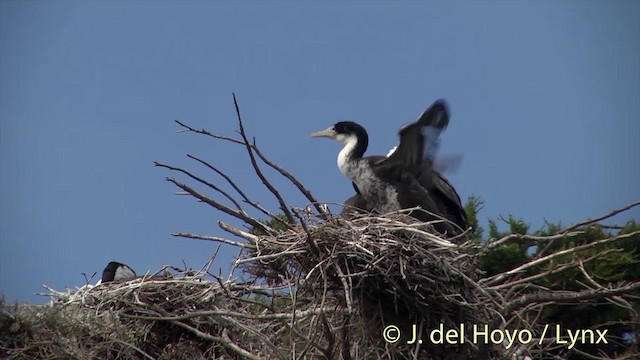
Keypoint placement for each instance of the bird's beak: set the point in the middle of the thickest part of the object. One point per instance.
(328, 133)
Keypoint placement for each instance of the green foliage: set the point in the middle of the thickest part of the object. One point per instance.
(503, 257)
(517, 226)
(493, 229)
(277, 223)
(509, 255)
(472, 208)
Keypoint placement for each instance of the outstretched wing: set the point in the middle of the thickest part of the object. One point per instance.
(411, 150)
(418, 144)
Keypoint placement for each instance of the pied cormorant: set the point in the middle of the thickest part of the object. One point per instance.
(405, 178)
(116, 271)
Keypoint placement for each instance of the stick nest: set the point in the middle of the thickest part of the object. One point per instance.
(313, 291)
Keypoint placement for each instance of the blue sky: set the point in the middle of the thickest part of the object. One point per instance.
(545, 101)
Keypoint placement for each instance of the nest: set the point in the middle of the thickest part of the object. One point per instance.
(386, 271)
(326, 290)
(113, 321)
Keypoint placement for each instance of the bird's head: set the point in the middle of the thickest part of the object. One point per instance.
(353, 136)
(345, 132)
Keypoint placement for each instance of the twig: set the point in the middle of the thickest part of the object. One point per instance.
(293, 180)
(212, 238)
(202, 181)
(569, 296)
(592, 221)
(227, 210)
(258, 172)
(237, 232)
(555, 270)
(226, 342)
(261, 336)
(205, 132)
(245, 198)
(535, 262)
(493, 244)
(280, 316)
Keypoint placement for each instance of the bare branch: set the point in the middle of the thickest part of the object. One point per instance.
(245, 198)
(593, 221)
(227, 210)
(258, 172)
(291, 178)
(280, 316)
(222, 340)
(538, 261)
(237, 232)
(202, 181)
(205, 132)
(569, 296)
(211, 238)
(493, 244)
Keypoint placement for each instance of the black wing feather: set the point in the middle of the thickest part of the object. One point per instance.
(410, 151)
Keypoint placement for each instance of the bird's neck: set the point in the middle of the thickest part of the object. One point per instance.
(350, 154)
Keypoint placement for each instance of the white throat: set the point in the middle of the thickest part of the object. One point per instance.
(344, 157)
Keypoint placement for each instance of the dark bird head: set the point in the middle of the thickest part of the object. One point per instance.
(353, 136)
(345, 132)
(116, 271)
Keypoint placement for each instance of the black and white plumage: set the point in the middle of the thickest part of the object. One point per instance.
(116, 271)
(406, 177)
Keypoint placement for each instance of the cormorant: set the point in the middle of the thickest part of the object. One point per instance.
(406, 177)
(116, 271)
